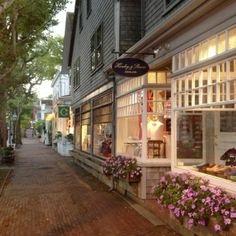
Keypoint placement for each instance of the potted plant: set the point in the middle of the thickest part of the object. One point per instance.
(7, 154)
(69, 137)
(58, 135)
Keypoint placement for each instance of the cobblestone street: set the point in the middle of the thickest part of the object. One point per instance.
(48, 195)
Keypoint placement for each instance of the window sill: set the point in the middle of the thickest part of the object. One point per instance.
(97, 68)
(227, 185)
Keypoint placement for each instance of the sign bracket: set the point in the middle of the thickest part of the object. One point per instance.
(134, 53)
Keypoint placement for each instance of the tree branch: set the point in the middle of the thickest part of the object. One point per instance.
(5, 5)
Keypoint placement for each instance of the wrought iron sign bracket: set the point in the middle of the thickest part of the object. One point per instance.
(132, 53)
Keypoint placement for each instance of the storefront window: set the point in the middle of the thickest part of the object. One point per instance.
(129, 124)
(86, 132)
(158, 122)
(206, 49)
(204, 113)
(129, 136)
(129, 85)
(159, 77)
(102, 140)
(206, 86)
(205, 142)
(189, 137)
(232, 38)
(221, 43)
(77, 129)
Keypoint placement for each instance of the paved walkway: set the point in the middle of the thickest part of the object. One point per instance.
(49, 195)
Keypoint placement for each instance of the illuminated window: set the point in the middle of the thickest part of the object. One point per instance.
(232, 38)
(206, 49)
(206, 86)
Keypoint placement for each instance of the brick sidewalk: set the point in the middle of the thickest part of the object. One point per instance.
(48, 195)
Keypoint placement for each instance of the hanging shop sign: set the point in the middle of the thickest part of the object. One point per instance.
(130, 67)
(63, 111)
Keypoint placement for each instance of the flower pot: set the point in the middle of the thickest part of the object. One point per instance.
(133, 178)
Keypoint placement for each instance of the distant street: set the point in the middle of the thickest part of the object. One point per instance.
(49, 195)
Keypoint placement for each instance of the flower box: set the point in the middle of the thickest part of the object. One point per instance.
(133, 178)
(196, 204)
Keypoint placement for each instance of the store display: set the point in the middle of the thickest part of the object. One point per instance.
(223, 171)
(154, 149)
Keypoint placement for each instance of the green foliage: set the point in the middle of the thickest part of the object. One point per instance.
(39, 126)
(69, 137)
(28, 54)
(58, 134)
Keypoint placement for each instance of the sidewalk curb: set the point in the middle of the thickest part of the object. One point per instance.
(141, 210)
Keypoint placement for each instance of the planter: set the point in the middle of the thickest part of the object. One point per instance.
(133, 179)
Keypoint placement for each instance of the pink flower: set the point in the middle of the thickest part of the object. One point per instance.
(227, 221)
(217, 227)
(201, 222)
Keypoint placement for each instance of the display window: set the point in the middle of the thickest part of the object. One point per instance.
(205, 142)
(86, 132)
(77, 129)
(143, 120)
(129, 136)
(102, 130)
(158, 122)
(204, 115)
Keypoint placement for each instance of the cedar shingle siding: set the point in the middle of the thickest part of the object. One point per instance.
(102, 13)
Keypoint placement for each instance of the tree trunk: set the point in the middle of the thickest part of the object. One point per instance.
(18, 132)
(3, 123)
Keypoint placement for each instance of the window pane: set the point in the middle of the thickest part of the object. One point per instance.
(129, 136)
(232, 88)
(99, 55)
(221, 43)
(182, 60)
(228, 121)
(204, 77)
(212, 47)
(196, 54)
(189, 137)
(189, 56)
(161, 77)
(222, 75)
(232, 69)
(86, 138)
(232, 38)
(102, 139)
(204, 50)
(151, 77)
(176, 62)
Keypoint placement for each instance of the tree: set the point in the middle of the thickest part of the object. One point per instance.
(42, 66)
(22, 27)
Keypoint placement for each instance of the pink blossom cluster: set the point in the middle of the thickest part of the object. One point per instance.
(120, 167)
(193, 201)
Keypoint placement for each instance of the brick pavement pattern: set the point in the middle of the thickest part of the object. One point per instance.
(49, 195)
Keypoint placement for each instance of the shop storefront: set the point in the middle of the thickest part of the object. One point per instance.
(93, 125)
(143, 126)
(204, 109)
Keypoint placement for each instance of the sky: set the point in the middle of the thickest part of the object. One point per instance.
(44, 90)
